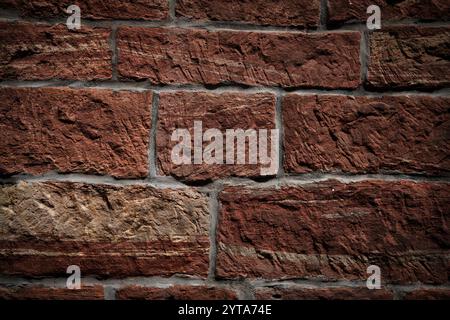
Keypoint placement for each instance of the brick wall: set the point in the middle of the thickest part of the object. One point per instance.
(85, 155)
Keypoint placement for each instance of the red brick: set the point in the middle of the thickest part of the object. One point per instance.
(428, 294)
(334, 231)
(105, 230)
(39, 52)
(335, 293)
(221, 111)
(175, 293)
(46, 293)
(196, 56)
(68, 130)
(301, 13)
(331, 133)
(93, 9)
(409, 57)
(341, 11)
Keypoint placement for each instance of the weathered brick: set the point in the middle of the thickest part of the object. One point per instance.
(93, 9)
(193, 56)
(333, 293)
(177, 292)
(428, 294)
(409, 57)
(106, 230)
(332, 133)
(334, 231)
(35, 292)
(39, 52)
(301, 13)
(69, 130)
(222, 111)
(341, 11)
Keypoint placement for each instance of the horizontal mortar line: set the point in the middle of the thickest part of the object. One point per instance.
(159, 182)
(147, 86)
(161, 282)
(170, 182)
(13, 16)
(350, 177)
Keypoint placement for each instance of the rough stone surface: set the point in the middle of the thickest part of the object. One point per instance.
(106, 230)
(39, 52)
(178, 292)
(334, 231)
(428, 294)
(340, 11)
(182, 56)
(330, 133)
(220, 111)
(46, 293)
(301, 13)
(409, 57)
(336, 293)
(74, 130)
(93, 9)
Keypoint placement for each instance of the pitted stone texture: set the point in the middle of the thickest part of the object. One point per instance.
(178, 292)
(428, 294)
(334, 231)
(179, 110)
(105, 230)
(341, 11)
(409, 57)
(332, 293)
(296, 13)
(196, 56)
(40, 52)
(35, 292)
(93, 9)
(331, 133)
(86, 131)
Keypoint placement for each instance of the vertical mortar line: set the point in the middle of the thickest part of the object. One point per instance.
(113, 46)
(172, 14)
(214, 217)
(364, 56)
(323, 11)
(109, 292)
(152, 140)
(279, 126)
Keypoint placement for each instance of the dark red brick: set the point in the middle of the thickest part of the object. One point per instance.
(333, 133)
(196, 56)
(87, 131)
(34, 292)
(341, 11)
(334, 231)
(93, 9)
(177, 292)
(39, 52)
(335, 293)
(220, 111)
(295, 13)
(409, 57)
(428, 294)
